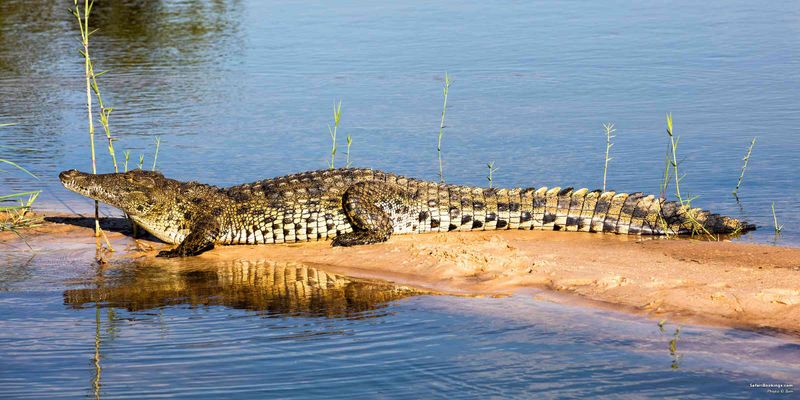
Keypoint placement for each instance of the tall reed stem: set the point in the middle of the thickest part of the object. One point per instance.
(155, 157)
(744, 166)
(104, 114)
(673, 140)
(83, 24)
(445, 90)
(778, 228)
(609, 127)
(490, 177)
(665, 181)
(347, 159)
(337, 115)
(684, 202)
(127, 154)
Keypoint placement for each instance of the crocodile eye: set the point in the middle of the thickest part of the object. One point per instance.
(145, 181)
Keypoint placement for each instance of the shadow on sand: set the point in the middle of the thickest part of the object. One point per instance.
(108, 224)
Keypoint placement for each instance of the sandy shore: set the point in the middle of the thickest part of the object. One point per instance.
(718, 283)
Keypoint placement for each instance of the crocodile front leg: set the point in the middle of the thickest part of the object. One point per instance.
(369, 207)
(199, 240)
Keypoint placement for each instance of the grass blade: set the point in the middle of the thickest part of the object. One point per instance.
(19, 167)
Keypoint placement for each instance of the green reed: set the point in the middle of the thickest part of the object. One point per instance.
(744, 166)
(490, 176)
(127, 154)
(105, 112)
(445, 91)
(673, 164)
(155, 156)
(90, 78)
(347, 160)
(17, 216)
(24, 204)
(337, 116)
(665, 181)
(83, 24)
(778, 228)
(609, 128)
(17, 166)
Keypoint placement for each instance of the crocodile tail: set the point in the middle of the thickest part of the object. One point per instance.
(636, 213)
(565, 209)
(675, 218)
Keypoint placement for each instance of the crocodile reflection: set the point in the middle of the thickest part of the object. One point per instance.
(275, 288)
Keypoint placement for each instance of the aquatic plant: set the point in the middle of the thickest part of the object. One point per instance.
(24, 204)
(337, 116)
(445, 91)
(17, 216)
(91, 86)
(127, 154)
(609, 127)
(492, 170)
(155, 157)
(13, 218)
(744, 166)
(673, 164)
(665, 181)
(778, 228)
(83, 24)
(104, 113)
(17, 166)
(347, 160)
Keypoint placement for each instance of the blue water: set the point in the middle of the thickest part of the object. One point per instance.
(70, 329)
(242, 90)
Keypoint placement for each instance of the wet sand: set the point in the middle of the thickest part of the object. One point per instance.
(749, 286)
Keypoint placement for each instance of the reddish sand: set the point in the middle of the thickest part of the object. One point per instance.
(721, 283)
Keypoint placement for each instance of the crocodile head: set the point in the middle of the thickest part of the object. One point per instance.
(154, 202)
(135, 192)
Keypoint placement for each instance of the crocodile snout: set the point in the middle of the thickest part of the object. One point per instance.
(68, 174)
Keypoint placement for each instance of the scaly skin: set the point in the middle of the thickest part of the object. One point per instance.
(363, 206)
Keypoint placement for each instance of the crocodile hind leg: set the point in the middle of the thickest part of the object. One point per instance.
(370, 206)
(199, 240)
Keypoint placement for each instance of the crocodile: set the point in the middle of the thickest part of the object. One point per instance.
(358, 206)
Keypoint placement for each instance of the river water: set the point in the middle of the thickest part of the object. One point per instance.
(242, 90)
(267, 330)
